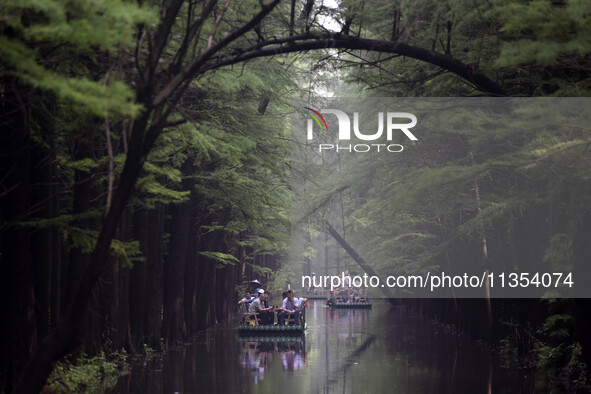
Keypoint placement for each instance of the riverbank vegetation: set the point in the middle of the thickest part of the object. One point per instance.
(96, 374)
(147, 168)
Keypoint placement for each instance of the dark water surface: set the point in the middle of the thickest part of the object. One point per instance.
(382, 350)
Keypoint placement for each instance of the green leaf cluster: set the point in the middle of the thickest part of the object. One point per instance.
(89, 374)
(41, 41)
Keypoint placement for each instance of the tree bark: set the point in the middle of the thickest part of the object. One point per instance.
(137, 284)
(42, 253)
(485, 261)
(190, 296)
(154, 274)
(174, 325)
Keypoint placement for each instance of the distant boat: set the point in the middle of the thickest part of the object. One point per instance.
(315, 296)
(349, 301)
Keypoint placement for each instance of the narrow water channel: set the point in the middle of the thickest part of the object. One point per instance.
(378, 350)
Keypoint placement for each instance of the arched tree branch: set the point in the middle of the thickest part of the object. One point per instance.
(314, 41)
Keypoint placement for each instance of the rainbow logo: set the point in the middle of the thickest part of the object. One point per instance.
(315, 115)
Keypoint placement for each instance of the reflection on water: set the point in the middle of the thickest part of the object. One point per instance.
(343, 351)
(256, 356)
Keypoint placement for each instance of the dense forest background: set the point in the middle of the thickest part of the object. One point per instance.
(146, 167)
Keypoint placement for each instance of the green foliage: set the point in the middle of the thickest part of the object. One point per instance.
(551, 31)
(473, 39)
(127, 252)
(86, 165)
(238, 157)
(552, 41)
(86, 374)
(85, 239)
(223, 259)
(279, 280)
(508, 352)
(561, 357)
(155, 191)
(70, 27)
(261, 271)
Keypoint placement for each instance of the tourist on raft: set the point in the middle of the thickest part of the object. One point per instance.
(288, 306)
(248, 298)
(256, 286)
(258, 306)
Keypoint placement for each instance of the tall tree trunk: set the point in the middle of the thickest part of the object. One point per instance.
(77, 261)
(57, 248)
(174, 326)
(120, 313)
(206, 282)
(42, 253)
(154, 281)
(487, 300)
(137, 283)
(190, 296)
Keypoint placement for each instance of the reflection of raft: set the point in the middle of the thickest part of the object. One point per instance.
(365, 304)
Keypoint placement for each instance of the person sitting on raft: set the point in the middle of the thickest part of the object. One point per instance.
(255, 287)
(247, 299)
(298, 302)
(267, 299)
(258, 306)
(288, 307)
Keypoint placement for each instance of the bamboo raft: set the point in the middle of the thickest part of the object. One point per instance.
(272, 329)
(249, 325)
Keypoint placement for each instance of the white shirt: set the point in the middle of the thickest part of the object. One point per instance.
(292, 305)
